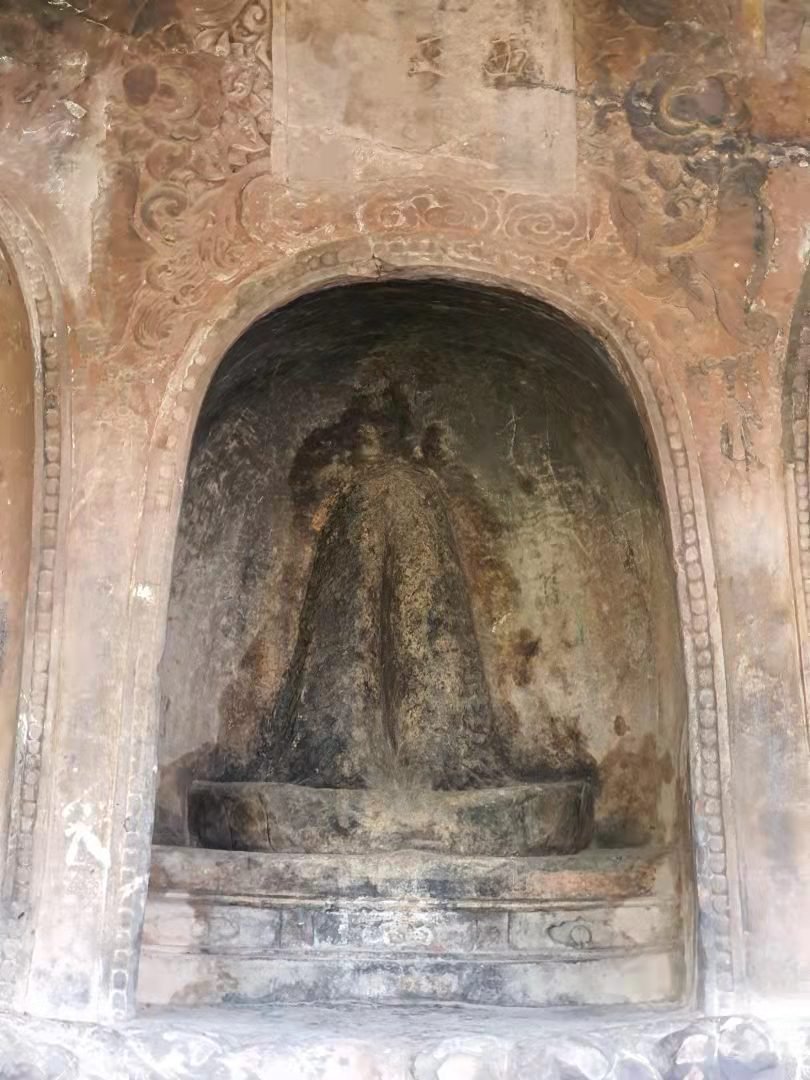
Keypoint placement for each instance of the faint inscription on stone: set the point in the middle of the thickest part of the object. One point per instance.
(381, 86)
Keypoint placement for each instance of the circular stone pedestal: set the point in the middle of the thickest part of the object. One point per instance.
(525, 819)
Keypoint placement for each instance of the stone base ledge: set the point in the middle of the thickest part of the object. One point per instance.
(525, 819)
(407, 1043)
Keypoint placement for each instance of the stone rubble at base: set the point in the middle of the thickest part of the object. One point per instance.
(372, 1043)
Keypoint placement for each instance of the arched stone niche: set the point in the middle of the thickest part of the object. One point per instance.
(669, 441)
(17, 464)
(422, 558)
(555, 509)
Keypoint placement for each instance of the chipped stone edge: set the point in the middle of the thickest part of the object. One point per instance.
(37, 281)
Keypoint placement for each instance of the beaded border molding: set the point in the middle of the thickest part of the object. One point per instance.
(796, 445)
(37, 283)
(531, 273)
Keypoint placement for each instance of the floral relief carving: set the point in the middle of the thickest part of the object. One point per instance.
(192, 121)
(706, 237)
(253, 216)
(667, 128)
(277, 218)
(430, 207)
(686, 199)
(560, 224)
(193, 124)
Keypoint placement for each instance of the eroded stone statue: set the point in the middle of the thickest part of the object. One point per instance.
(386, 683)
(383, 732)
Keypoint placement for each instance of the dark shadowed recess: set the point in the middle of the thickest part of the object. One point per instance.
(347, 322)
(490, 428)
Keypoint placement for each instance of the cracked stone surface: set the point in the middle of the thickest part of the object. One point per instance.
(399, 1044)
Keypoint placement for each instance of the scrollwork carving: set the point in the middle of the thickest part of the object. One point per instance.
(691, 216)
(193, 121)
(428, 207)
(219, 235)
(277, 218)
(559, 224)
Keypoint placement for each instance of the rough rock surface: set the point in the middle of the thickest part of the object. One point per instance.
(396, 1044)
(528, 819)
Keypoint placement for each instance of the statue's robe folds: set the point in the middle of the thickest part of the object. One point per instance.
(386, 683)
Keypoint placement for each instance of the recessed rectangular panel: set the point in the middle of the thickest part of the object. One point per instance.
(372, 88)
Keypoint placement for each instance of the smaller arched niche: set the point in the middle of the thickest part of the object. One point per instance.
(423, 728)
(17, 441)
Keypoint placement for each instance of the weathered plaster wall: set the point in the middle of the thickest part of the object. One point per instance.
(158, 148)
(16, 508)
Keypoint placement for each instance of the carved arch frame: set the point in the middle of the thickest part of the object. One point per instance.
(796, 449)
(39, 285)
(666, 423)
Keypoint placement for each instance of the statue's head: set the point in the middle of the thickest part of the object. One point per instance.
(370, 446)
